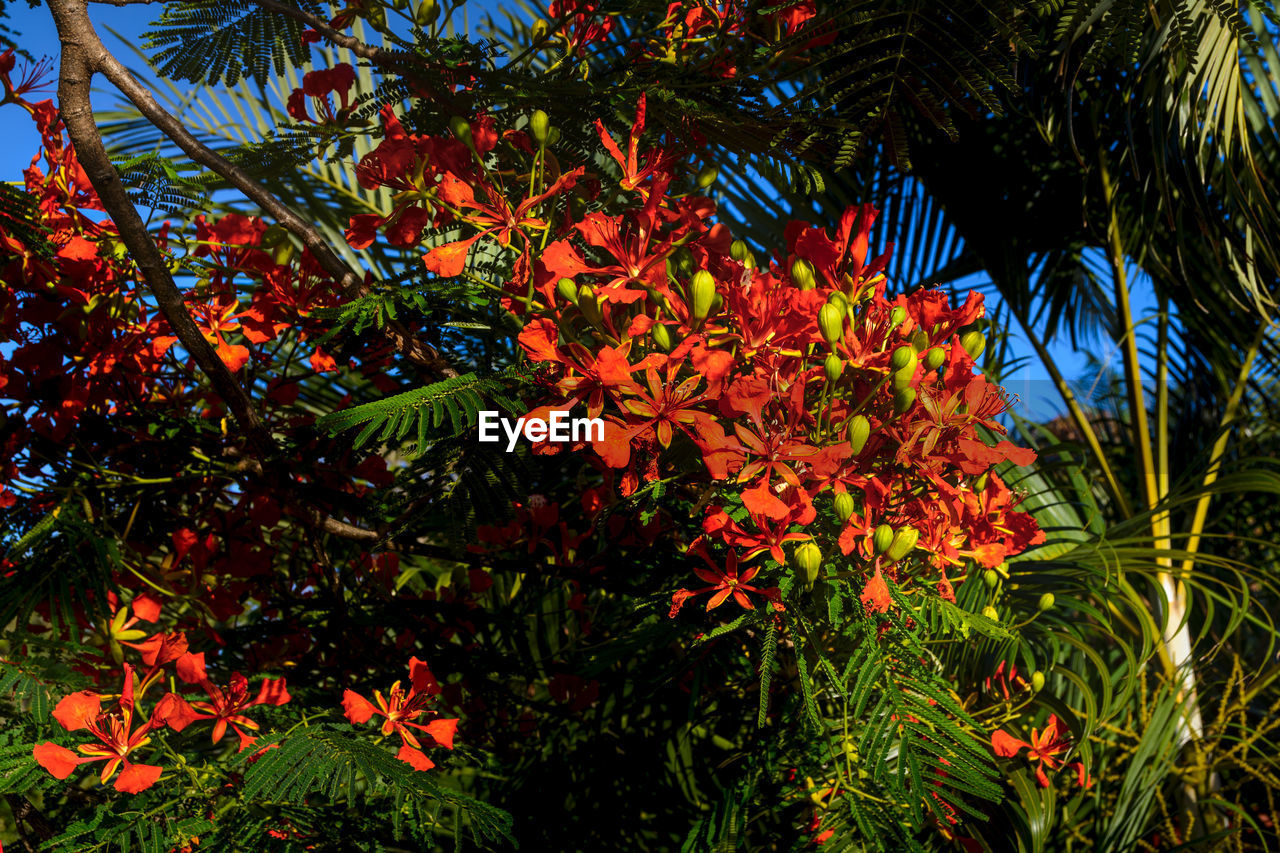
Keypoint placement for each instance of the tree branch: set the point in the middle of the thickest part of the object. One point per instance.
(96, 57)
(79, 45)
(82, 53)
(351, 43)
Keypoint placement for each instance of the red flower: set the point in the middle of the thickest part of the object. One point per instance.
(1042, 750)
(401, 708)
(225, 707)
(724, 582)
(875, 595)
(116, 735)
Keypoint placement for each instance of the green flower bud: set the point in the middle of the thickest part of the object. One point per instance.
(589, 305)
(839, 300)
(904, 399)
(739, 251)
(902, 357)
(426, 13)
(662, 337)
(896, 316)
(882, 538)
(991, 613)
(802, 274)
(707, 176)
(990, 578)
(1037, 681)
(831, 323)
(462, 131)
(808, 560)
(834, 366)
(902, 378)
(844, 506)
(903, 541)
(703, 290)
(540, 127)
(1046, 601)
(568, 290)
(974, 343)
(919, 340)
(934, 358)
(541, 29)
(858, 433)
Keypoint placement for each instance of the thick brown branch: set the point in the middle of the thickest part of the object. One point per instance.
(79, 45)
(98, 58)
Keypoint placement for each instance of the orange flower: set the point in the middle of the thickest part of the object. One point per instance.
(116, 735)
(401, 708)
(1043, 750)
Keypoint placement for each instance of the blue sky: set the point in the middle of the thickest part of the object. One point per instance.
(1030, 383)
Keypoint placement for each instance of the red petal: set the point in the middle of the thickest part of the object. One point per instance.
(58, 760)
(449, 259)
(191, 668)
(138, 777)
(1007, 746)
(272, 692)
(762, 501)
(145, 607)
(415, 758)
(357, 708)
(423, 680)
(78, 710)
(441, 731)
(173, 711)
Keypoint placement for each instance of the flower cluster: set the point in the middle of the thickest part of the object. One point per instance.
(789, 381)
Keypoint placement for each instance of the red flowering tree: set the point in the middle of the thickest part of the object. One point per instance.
(246, 477)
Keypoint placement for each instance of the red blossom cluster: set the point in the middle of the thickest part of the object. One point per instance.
(790, 381)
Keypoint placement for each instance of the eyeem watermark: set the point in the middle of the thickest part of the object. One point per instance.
(560, 428)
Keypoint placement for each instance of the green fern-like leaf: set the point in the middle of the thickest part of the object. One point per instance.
(221, 42)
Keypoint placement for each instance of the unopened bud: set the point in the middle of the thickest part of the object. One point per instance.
(589, 305)
(662, 337)
(808, 559)
(1037, 681)
(738, 250)
(830, 323)
(896, 316)
(974, 343)
(426, 13)
(702, 289)
(1046, 601)
(568, 290)
(839, 300)
(802, 274)
(902, 357)
(541, 29)
(462, 131)
(859, 431)
(904, 399)
(903, 541)
(539, 127)
(990, 578)
(844, 506)
(707, 176)
(882, 538)
(833, 366)
(991, 613)
(933, 358)
(919, 340)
